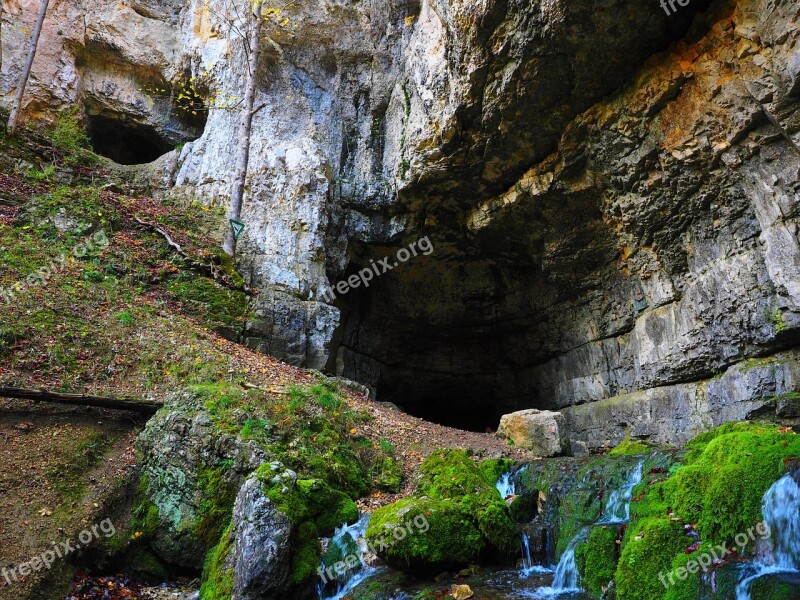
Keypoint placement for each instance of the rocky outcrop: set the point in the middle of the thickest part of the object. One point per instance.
(543, 432)
(611, 194)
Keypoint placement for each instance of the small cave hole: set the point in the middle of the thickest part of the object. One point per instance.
(126, 143)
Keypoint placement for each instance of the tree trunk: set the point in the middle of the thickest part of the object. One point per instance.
(245, 128)
(1, 35)
(140, 406)
(26, 70)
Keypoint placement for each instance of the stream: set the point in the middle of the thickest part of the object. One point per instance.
(532, 581)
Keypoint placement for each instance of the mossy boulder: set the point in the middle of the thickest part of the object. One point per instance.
(454, 475)
(466, 515)
(652, 546)
(272, 544)
(446, 538)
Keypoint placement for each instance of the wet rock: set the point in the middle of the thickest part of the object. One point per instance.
(543, 432)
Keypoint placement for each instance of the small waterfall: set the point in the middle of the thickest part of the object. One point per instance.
(617, 511)
(780, 508)
(618, 505)
(348, 540)
(566, 577)
(506, 486)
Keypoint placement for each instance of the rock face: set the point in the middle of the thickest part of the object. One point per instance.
(261, 557)
(611, 193)
(542, 431)
(179, 448)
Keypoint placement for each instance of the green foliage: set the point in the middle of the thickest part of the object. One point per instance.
(70, 137)
(34, 175)
(125, 318)
(777, 321)
(597, 559)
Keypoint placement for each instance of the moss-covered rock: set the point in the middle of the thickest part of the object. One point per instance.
(717, 489)
(447, 537)
(494, 469)
(217, 581)
(524, 507)
(630, 447)
(466, 517)
(652, 545)
(583, 503)
(597, 559)
(454, 475)
(313, 508)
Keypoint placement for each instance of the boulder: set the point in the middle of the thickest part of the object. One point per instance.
(261, 556)
(542, 431)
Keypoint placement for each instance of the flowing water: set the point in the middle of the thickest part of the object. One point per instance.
(617, 511)
(780, 509)
(349, 540)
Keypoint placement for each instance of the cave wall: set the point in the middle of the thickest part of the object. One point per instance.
(611, 192)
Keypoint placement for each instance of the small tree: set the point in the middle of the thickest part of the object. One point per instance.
(246, 21)
(26, 69)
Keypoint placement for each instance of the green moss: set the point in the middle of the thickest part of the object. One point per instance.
(652, 545)
(315, 509)
(453, 475)
(209, 301)
(524, 507)
(217, 579)
(218, 494)
(718, 487)
(771, 588)
(447, 538)
(584, 503)
(629, 447)
(494, 469)
(305, 559)
(141, 561)
(387, 475)
(597, 559)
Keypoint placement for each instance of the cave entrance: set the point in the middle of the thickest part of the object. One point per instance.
(444, 337)
(126, 143)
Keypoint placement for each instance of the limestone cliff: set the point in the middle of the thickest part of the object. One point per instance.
(611, 192)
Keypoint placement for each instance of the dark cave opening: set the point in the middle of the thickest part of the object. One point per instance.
(126, 143)
(441, 337)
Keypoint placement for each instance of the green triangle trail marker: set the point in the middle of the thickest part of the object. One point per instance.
(238, 228)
